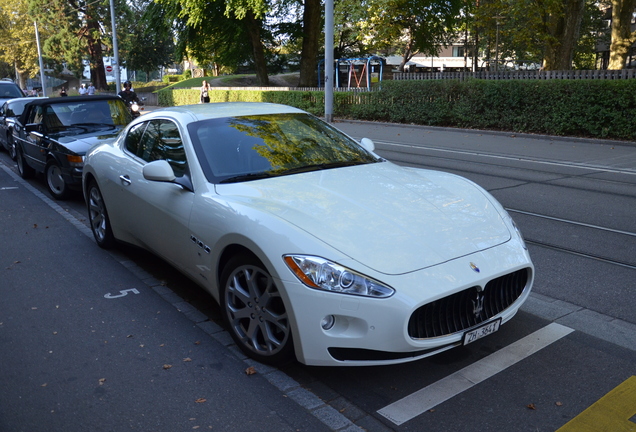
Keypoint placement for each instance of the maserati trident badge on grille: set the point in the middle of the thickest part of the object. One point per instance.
(474, 267)
(478, 305)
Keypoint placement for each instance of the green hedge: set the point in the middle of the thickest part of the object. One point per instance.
(589, 108)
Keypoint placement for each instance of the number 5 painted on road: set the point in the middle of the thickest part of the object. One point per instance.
(122, 293)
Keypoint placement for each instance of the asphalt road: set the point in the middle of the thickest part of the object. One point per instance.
(91, 340)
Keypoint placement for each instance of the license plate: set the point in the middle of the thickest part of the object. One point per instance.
(481, 332)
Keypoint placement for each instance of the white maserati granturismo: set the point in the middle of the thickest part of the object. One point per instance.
(315, 247)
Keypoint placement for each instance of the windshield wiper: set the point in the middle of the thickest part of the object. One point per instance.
(322, 166)
(84, 125)
(247, 177)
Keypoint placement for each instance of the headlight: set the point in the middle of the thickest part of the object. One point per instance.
(134, 107)
(514, 225)
(320, 273)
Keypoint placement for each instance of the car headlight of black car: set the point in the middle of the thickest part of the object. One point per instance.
(319, 273)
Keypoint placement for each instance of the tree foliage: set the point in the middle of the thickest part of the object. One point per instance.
(17, 30)
(417, 26)
(79, 29)
(149, 43)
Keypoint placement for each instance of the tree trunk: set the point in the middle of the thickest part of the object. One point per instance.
(254, 31)
(408, 55)
(565, 34)
(622, 35)
(309, 54)
(98, 74)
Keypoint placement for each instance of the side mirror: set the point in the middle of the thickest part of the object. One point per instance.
(34, 130)
(159, 170)
(367, 144)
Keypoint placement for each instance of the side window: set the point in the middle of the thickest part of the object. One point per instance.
(35, 116)
(133, 138)
(162, 140)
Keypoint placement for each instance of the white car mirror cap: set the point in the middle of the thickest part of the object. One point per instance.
(368, 144)
(159, 170)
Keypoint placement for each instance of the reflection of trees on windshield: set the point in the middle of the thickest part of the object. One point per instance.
(291, 141)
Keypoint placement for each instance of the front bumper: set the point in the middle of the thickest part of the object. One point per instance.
(369, 331)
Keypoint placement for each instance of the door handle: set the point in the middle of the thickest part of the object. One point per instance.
(125, 179)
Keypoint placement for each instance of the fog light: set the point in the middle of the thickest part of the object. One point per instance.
(328, 322)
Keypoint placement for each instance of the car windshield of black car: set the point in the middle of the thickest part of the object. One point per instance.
(98, 113)
(251, 147)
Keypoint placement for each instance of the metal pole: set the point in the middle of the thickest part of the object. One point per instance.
(42, 76)
(329, 64)
(115, 49)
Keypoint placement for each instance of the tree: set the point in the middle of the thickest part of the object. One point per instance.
(149, 44)
(419, 26)
(221, 30)
(78, 30)
(563, 27)
(312, 18)
(622, 35)
(18, 33)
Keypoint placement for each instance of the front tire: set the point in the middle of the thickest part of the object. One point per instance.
(255, 312)
(98, 217)
(55, 181)
(11, 147)
(24, 169)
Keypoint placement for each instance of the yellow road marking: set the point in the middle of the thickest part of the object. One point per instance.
(611, 413)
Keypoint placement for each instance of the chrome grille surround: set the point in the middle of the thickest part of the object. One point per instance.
(466, 309)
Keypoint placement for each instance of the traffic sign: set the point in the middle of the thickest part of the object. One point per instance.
(109, 68)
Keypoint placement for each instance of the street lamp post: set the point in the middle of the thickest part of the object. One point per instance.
(42, 76)
(115, 50)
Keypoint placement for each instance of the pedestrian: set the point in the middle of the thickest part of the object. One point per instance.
(205, 95)
(91, 89)
(63, 91)
(83, 90)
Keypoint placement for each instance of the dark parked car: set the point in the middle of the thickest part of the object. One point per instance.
(9, 90)
(9, 113)
(54, 134)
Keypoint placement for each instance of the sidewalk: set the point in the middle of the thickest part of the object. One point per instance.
(88, 341)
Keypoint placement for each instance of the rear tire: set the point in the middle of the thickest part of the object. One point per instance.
(98, 217)
(24, 169)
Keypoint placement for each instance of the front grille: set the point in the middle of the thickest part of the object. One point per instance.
(467, 308)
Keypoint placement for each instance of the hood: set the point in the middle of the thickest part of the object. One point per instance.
(392, 219)
(79, 144)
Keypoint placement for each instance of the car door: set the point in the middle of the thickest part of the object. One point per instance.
(33, 144)
(155, 213)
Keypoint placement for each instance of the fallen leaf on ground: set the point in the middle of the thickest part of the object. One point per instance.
(250, 370)
(187, 359)
(201, 400)
(102, 381)
(531, 406)
(167, 366)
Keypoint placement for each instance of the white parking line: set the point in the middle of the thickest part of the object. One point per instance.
(425, 399)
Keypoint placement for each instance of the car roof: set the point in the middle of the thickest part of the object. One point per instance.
(23, 99)
(226, 109)
(71, 99)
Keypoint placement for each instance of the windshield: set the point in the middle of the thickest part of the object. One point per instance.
(97, 113)
(10, 91)
(245, 148)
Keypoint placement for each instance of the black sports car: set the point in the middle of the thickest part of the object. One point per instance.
(53, 135)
